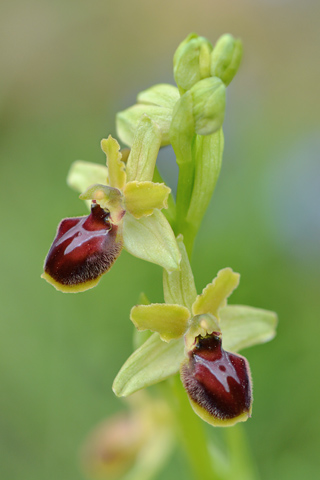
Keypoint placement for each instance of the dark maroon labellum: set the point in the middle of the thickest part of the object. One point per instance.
(217, 381)
(84, 249)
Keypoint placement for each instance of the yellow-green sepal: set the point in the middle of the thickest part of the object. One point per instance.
(178, 286)
(214, 295)
(162, 95)
(128, 120)
(145, 148)
(152, 239)
(141, 198)
(170, 321)
(153, 362)
(116, 168)
(243, 326)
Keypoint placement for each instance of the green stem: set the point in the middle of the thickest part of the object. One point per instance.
(242, 465)
(184, 192)
(192, 434)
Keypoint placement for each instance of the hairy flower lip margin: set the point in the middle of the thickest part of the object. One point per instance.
(218, 383)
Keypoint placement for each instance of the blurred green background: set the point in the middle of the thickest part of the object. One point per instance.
(66, 69)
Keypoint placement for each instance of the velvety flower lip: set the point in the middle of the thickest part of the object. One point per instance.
(83, 249)
(218, 382)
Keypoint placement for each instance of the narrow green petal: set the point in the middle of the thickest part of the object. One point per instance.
(243, 326)
(162, 95)
(179, 287)
(141, 198)
(117, 174)
(128, 120)
(215, 294)
(152, 239)
(83, 174)
(170, 321)
(144, 151)
(153, 362)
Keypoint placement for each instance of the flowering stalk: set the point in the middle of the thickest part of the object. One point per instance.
(196, 335)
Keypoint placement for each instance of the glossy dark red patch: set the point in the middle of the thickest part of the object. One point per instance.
(216, 380)
(84, 248)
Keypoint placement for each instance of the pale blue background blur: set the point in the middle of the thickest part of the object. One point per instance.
(66, 69)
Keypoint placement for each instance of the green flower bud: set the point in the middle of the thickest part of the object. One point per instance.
(209, 99)
(191, 61)
(226, 57)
